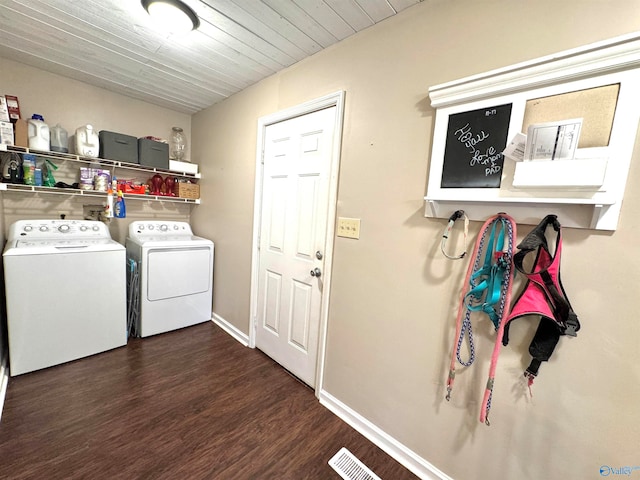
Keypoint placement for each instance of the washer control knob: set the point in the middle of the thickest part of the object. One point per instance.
(95, 228)
(175, 227)
(64, 228)
(44, 228)
(150, 227)
(83, 228)
(28, 228)
(164, 228)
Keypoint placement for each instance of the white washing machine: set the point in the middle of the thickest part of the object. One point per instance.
(65, 285)
(175, 271)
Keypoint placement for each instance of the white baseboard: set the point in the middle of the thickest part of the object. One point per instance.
(230, 329)
(403, 455)
(4, 381)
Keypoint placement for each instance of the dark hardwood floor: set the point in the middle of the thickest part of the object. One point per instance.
(189, 404)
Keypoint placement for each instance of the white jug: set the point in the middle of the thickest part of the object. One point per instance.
(38, 133)
(87, 142)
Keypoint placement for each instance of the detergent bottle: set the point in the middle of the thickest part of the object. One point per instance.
(38, 133)
(120, 209)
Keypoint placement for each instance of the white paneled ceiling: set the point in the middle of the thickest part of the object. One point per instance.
(114, 45)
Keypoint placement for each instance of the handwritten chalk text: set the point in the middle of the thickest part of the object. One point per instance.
(466, 137)
(488, 160)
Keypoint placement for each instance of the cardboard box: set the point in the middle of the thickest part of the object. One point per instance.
(188, 190)
(21, 134)
(183, 167)
(4, 109)
(14, 107)
(6, 133)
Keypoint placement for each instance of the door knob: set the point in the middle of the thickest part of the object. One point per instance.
(319, 255)
(316, 272)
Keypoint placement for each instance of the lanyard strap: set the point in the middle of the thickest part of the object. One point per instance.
(445, 236)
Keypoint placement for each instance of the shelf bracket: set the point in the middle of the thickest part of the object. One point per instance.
(433, 206)
(599, 210)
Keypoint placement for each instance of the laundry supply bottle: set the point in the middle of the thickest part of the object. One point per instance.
(120, 209)
(108, 209)
(37, 177)
(87, 141)
(38, 133)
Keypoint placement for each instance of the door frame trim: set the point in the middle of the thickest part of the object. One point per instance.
(334, 99)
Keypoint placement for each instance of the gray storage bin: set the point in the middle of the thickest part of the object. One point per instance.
(117, 146)
(153, 154)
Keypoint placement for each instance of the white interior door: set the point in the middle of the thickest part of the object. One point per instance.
(293, 230)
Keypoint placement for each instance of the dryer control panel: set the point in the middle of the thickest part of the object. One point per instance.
(149, 228)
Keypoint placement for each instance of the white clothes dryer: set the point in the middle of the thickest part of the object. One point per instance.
(65, 285)
(175, 270)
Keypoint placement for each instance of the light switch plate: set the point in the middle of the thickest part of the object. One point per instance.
(348, 227)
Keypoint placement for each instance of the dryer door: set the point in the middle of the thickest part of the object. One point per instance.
(176, 272)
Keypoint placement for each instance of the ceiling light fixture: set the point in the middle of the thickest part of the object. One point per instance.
(172, 15)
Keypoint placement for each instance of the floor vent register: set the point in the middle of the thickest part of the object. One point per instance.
(350, 468)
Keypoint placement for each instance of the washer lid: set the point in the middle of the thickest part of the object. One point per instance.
(175, 241)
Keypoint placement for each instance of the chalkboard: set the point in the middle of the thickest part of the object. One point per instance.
(473, 150)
